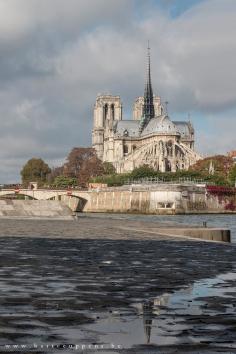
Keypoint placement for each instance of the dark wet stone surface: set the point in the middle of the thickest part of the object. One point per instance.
(56, 290)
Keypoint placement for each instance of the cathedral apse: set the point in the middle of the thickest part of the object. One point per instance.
(149, 138)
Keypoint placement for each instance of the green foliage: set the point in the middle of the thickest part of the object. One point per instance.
(108, 168)
(146, 171)
(142, 171)
(64, 182)
(111, 180)
(232, 175)
(217, 179)
(220, 175)
(35, 170)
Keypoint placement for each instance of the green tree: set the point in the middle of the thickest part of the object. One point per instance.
(143, 171)
(108, 168)
(64, 182)
(232, 175)
(35, 170)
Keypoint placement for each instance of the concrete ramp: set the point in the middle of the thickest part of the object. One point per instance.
(34, 209)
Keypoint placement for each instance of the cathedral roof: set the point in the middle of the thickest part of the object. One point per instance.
(161, 124)
(184, 128)
(127, 128)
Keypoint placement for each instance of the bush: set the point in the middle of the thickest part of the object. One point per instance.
(143, 171)
(111, 180)
(65, 182)
(232, 176)
(148, 172)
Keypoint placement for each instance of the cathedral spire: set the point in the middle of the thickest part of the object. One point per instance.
(148, 107)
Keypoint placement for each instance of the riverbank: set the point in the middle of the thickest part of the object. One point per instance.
(89, 281)
(108, 228)
(157, 199)
(213, 221)
(51, 209)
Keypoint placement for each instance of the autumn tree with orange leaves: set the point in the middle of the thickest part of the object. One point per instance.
(83, 164)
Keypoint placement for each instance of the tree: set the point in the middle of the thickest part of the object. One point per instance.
(83, 164)
(219, 165)
(35, 170)
(143, 171)
(55, 172)
(232, 175)
(108, 168)
(64, 182)
(75, 161)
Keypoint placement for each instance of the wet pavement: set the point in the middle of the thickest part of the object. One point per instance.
(113, 294)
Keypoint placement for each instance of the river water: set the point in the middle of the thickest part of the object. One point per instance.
(227, 221)
(146, 296)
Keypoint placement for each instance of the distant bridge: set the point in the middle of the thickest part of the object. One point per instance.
(75, 199)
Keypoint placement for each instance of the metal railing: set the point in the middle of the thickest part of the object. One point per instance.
(161, 180)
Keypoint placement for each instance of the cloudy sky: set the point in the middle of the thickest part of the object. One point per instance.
(57, 55)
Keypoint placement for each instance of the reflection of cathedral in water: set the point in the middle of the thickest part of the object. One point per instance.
(150, 138)
(149, 310)
(147, 319)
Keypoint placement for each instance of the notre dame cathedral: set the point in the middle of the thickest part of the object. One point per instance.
(150, 138)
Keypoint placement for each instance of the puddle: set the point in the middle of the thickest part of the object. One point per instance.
(113, 296)
(173, 319)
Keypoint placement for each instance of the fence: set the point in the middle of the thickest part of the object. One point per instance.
(158, 180)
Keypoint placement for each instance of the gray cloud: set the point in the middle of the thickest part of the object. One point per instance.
(54, 61)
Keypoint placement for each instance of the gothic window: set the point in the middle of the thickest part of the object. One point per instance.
(134, 147)
(169, 147)
(167, 165)
(161, 146)
(177, 153)
(126, 133)
(112, 112)
(105, 112)
(126, 149)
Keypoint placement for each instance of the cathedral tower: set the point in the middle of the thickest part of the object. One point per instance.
(107, 110)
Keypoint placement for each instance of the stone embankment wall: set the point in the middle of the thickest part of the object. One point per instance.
(146, 199)
(155, 199)
(34, 209)
(207, 234)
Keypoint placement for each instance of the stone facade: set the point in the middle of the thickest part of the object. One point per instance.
(138, 107)
(150, 138)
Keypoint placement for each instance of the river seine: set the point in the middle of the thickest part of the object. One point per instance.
(102, 283)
